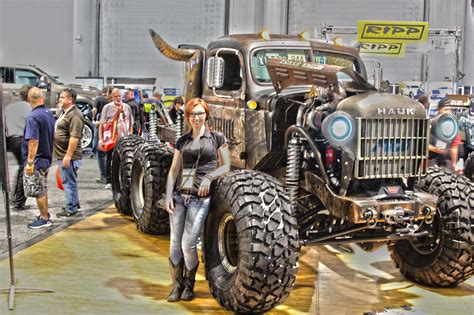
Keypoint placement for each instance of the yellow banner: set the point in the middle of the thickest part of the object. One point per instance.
(386, 49)
(394, 31)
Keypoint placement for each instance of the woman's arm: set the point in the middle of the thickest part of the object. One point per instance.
(223, 156)
(173, 173)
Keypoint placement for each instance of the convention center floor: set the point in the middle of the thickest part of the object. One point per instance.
(104, 265)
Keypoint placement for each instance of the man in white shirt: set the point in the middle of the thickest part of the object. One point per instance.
(124, 126)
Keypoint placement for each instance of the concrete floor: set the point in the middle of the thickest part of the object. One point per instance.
(93, 197)
(103, 265)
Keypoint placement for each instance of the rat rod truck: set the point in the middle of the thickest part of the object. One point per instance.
(319, 157)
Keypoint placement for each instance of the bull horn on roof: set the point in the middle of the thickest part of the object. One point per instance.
(169, 51)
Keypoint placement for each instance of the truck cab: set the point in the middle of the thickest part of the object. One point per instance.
(245, 106)
(246, 100)
(15, 76)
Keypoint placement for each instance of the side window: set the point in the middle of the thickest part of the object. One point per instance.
(232, 72)
(23, 76)
(2, 75)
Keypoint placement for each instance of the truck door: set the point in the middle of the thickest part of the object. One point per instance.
(227, 104)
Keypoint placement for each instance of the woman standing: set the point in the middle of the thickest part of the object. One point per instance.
(200, 156)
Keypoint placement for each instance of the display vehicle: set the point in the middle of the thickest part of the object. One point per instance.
(319, 157)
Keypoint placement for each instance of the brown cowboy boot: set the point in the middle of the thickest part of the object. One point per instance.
(189, 279)
(178, 281)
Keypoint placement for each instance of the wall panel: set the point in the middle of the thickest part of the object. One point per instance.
(308, 14)
(126, 47)
(37, 32)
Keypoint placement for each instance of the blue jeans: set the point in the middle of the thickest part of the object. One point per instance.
(95, 141)
(186, 224)
(69, 178)
(102, 161)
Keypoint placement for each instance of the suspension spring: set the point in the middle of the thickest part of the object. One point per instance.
(153, 136)
(179, 125)
(293, 170)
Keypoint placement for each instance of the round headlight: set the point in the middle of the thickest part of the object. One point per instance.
(446, 128)
(338, 128)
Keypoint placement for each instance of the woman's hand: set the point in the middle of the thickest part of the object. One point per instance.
(169, 205)
(204, 188)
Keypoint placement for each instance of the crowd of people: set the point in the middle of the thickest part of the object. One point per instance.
(36, 138)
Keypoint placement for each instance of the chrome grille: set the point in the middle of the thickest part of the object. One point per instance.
(391, 147)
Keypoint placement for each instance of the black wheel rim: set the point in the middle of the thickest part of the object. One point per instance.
(137, 190)
(116, 176)
(141, 193)
(228, 243)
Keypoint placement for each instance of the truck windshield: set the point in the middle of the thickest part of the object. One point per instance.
(325, 58)
(260, 57)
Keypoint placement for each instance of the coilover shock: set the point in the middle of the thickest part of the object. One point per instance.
(179, 125)
(293, 169)
(153, 128)
(164, 114)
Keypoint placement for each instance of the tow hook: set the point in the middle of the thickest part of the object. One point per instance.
(393, 216)
(429, 214)
(368, 215)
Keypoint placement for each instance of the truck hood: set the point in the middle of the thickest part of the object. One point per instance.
(382, 105)
(84, 91)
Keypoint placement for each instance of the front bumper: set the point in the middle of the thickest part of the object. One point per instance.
(378, 209)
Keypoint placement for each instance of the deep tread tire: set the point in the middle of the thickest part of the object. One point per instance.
(122, 159)
(149, 174)
(250, 224)
(451, 261)
(469, 167)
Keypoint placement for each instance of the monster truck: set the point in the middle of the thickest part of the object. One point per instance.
(320, 157)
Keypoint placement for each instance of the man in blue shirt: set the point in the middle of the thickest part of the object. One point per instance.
(37, 151)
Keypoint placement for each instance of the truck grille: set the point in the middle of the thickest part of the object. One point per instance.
(391, 147)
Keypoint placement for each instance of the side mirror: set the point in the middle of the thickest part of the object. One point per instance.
(215, 72)
(42, 83)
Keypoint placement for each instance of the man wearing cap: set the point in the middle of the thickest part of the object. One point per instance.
(178, 103)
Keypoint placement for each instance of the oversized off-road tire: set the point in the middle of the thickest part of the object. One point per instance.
(469, 167)
(446, 258)
(149, 173)
(250, 242)
(122, 159)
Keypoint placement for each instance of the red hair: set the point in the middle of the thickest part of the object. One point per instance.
(193, 103)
